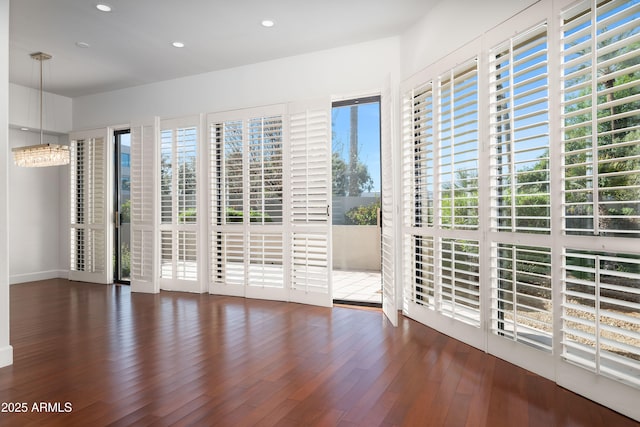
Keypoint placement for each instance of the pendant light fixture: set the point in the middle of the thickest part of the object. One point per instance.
(42, 154)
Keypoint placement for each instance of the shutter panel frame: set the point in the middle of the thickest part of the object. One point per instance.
(310, 202)
(389, 235)
(91, 231)
(181, 254)
(248, 252)
(144, 206)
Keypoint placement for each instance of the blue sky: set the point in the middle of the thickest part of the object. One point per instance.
(368, 137)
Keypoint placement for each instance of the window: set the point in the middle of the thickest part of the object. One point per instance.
(440, 159)
(420, 156)
(260, 246)
(534, 206)
(88, 202)
(600, 313)
(460, 280)
(144, 194)
(601, 123)
(247, 187)
(521, 303)
(178, 202)
(601, 141)
(265, 170)
(458, 148)
(520, 134)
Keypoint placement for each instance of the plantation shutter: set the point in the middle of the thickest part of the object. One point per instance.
(179, 215)
(520, 134)
(247, 243)
(90, 239)
(310, 203)
(418, 198)
(266, 238)
(600, 75)
(441, 242)
(546, 279)
(458, 178)
(458, 147)
(521, 299)
(389, 304)
(144, 160)
(226, 205)
(601, 140)
(521, 296)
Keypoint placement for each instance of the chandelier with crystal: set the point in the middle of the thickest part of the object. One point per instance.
(42, 154)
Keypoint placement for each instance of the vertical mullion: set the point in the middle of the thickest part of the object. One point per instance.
(511, 149)
(556, 177)
(437, 201)
(246, 197)
(262, 170)
(175, 170)
(86, 200)
(454, 271)
(287, 228)
(452, 144)
(514, 292)
(597, 313)
(594, 119)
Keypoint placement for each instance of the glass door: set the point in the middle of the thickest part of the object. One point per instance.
(356, 190)
(122, 217)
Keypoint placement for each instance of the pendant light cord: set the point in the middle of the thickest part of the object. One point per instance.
(41, 91)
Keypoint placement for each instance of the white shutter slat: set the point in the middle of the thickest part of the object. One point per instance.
(179, 216)
(266, 260)
(599, 194)
(310, 203)
(90, 230)
(389, 303)
(521, 295)
(144, 255)
(520, 135)
(599, 322)
(458, 148)
(440, 192)
(247, 241)
(265, 141)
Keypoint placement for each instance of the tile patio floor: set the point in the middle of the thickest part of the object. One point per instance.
(364, 286)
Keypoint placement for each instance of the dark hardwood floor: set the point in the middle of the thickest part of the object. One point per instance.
(126, 359)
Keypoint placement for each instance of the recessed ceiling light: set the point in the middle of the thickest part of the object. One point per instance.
(24, 128)
(177, 44)
(103, 7)
(83, 45)
(268, 23)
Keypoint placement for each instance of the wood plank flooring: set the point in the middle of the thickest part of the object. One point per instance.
(123, 359)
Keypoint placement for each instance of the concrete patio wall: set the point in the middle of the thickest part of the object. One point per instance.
(356, 247)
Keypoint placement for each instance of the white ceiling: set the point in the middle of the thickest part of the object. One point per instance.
(131, 45)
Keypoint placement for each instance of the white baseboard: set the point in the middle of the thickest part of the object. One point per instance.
(6, 356)
(14, 279)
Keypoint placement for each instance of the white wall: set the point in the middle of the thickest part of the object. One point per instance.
(449, 26)
(34, 215)
(38, 216)
(340, 72)
(24, 110)
(6, 351)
